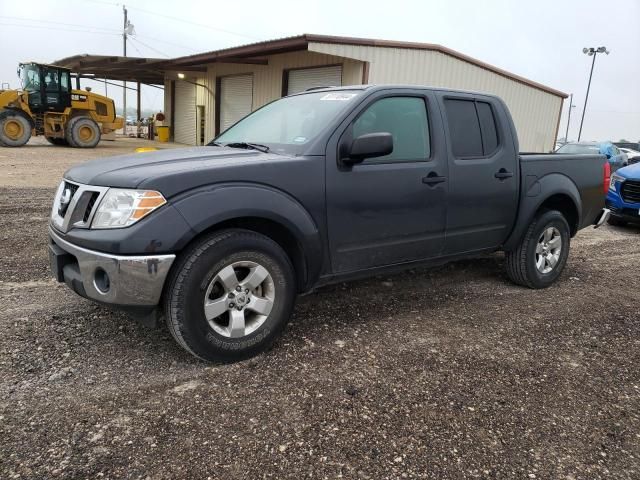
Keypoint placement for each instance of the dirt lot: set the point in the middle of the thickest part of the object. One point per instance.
(448, 373)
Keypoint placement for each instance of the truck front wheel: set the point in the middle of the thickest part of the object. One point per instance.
(540, 257)
(230, 295)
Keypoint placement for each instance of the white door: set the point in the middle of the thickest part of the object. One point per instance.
(185, 129)
(236, 99)
(304, 78)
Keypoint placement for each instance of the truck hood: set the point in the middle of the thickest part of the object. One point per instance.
(631, 171)
(172, 171)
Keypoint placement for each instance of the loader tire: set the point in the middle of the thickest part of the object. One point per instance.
(15, 129)
(82, 132)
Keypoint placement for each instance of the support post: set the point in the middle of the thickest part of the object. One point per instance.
(566, 135)
(139, 113)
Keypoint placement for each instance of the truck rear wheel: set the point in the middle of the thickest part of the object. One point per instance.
(61, 142)
(542, 254)
(15, 129)
(82, 132)
(230, 295)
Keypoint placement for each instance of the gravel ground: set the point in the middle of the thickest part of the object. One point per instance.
(445, 373)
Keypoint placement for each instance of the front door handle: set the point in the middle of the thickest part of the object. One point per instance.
(503, 174)
(433, 179)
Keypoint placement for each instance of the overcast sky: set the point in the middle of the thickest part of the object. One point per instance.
(540, 39)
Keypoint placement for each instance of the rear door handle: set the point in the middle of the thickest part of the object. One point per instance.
(433, 179)
(503, 174)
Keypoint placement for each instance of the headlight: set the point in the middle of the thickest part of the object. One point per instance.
(122, 207)
(615, 179)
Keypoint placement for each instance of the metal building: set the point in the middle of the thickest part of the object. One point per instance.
(224, 85)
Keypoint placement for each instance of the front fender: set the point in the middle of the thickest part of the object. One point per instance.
(212, 205)
(535, 192)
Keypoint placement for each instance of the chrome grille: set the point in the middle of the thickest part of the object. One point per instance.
(631, 191)
(90, 205)
(74, 205)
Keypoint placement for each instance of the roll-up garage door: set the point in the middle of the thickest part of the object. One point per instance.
(300, 80)
(185, 128)
(236, 99)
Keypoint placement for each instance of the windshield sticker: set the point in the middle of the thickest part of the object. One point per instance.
(339, 96)
(299, 139)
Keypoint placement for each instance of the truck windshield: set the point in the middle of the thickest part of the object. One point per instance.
(290, 123)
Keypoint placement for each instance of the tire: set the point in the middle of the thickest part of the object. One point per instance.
(82, 132)
(527, 267)
(616, 221)
(15, 129)
(61, 142)
(197, 277)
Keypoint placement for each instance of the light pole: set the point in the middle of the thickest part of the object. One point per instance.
(571, 105)
(591, 52)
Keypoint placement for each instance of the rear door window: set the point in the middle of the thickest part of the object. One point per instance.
(472, 127)
(487, 128)
(464, 128)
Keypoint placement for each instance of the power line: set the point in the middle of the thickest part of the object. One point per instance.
(136, 48)
(58, 23)
(149, 47)
(164, 41)
(103, 2)
(58, 29)
(175, 19)
(202, 25)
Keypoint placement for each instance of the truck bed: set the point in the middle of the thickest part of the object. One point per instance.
(578, 176)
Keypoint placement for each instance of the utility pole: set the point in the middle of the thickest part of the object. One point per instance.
(124, 83)
(591, 52)
(571, 105)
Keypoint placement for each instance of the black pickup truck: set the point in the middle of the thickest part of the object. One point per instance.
(319, 187)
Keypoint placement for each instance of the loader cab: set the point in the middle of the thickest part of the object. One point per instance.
(49, 87)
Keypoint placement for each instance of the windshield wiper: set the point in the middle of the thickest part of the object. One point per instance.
(247, 145)
(214, 144)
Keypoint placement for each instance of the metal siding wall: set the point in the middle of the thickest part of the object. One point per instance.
(167, 101)
(535, 112)
(267, 79)
(201, 92)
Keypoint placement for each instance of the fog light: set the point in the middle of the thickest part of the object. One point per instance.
(101, 281)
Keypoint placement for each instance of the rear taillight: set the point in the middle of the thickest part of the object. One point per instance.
(607, 176)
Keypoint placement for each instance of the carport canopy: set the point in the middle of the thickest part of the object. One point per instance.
(130, 69)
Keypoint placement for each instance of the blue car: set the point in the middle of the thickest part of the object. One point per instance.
(623, 197)
(617, 159)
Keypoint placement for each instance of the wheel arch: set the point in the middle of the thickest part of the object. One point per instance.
(263, 210)
(552, 192)
(20, 112)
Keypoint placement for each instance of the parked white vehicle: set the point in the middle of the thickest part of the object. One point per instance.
(632, 155)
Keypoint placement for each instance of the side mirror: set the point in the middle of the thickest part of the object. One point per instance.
(370, 145)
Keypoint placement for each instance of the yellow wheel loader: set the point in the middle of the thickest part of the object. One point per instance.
(47, 105)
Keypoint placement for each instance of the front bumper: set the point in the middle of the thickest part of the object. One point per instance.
(629, 212)
(122, 280)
